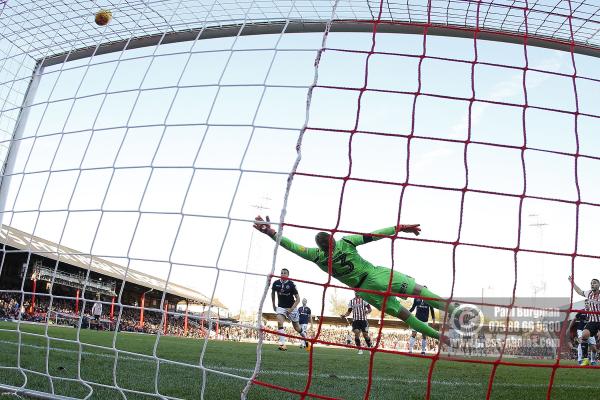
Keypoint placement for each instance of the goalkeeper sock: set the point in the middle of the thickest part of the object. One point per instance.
(357, 341)
(281, 337)
(421, 327)
(579, 353)
(411, 344)
(423, 345)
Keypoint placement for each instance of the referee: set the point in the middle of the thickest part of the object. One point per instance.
(359, 309)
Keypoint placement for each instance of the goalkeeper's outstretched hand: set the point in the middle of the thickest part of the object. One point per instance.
(264, 227)
(414, 228)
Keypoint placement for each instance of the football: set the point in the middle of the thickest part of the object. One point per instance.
(103, 17)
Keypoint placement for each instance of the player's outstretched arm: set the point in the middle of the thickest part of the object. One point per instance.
(264, 226)
(575, 287)
(357, 240)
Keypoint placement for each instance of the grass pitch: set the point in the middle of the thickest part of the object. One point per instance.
(56, 363)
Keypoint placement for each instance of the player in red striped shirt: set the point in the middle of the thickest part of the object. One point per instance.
(360, 309)
(593, 325)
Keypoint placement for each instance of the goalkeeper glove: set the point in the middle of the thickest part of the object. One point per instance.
(414, 228)
(264, 227)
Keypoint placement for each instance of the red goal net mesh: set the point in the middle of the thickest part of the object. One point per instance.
(562, 27)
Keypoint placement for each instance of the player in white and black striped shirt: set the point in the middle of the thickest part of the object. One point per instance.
(593, 325)
(360, 310)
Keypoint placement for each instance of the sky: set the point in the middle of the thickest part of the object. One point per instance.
(159, 159)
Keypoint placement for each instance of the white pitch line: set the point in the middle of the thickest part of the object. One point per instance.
(328, 376)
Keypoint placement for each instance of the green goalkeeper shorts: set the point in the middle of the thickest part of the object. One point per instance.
(378, 279)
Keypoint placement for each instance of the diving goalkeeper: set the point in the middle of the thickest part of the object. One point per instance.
(351, 269)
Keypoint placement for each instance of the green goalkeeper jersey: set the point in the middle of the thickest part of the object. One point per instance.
(347, 265)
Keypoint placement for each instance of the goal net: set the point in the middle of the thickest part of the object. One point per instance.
(136, 156)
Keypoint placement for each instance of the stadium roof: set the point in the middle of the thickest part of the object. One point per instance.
(24, 241)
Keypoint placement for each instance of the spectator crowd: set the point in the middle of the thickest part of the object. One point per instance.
(62, 312)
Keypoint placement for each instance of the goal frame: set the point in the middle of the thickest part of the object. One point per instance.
(337, 26)
(266, 28)
(255, 29)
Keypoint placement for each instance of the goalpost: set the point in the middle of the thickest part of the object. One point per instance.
(146, 144)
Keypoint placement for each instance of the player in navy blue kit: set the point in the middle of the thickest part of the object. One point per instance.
(576, 328)
(287, 301)
(422, 314)
(304, 314)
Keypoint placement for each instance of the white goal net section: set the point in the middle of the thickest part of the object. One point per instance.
(145, 148)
